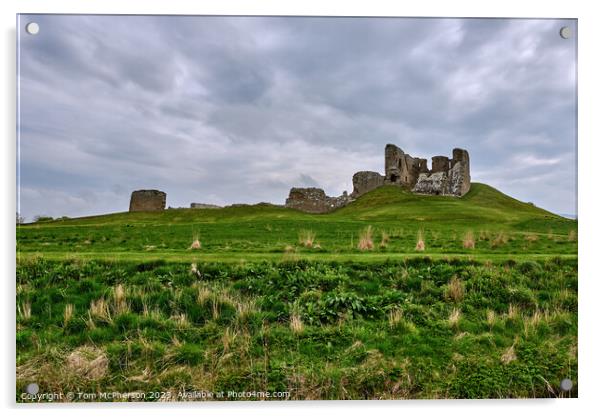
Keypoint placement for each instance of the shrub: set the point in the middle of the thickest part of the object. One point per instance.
(41, 218)
(126, 321)
(189, 353)
(529, 267)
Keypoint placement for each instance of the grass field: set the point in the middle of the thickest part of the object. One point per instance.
(484, 221)
(394, 296)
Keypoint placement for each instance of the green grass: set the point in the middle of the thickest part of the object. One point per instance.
(499, 224)
(279, 300)
(380, 330)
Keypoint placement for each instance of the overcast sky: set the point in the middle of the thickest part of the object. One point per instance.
(239, 109)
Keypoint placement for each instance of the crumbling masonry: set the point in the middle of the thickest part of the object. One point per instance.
(450, 177)
(147, 200)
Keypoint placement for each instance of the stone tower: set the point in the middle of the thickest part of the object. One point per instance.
(401, 168)
(148, 200)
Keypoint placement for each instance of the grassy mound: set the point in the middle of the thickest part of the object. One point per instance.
(490, 221)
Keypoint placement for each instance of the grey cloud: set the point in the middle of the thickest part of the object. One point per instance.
(307, 181)
(235, 109)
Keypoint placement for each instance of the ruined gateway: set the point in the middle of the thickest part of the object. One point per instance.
(447, 176)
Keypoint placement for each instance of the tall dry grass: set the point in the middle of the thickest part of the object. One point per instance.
(290, 254)
(420, 246)
(384, 239)
(120, 304)
(468, 242)
(395, 316)
(99, 309)
(491, 318)
(509, 355)
(307, 238)
(365, 239)
(500, 240)
(68, 314)
(203, 294)
(296, 324)
(455, 289)
(196, 242)
(181, 320)
(24, 310)
(572, 237)
(228, 339)
(513, 311)
(454, 317)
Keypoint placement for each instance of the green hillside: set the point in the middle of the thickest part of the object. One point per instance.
(498, 223)
(336, 306)
(482, 204)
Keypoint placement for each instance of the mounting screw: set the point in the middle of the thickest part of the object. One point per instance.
(565, 32)
(32, 28)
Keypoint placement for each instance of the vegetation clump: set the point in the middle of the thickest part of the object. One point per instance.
(420, 247)
(307, 238)
(468, 242)
(365, 239)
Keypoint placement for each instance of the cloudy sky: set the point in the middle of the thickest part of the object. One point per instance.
(239, 109)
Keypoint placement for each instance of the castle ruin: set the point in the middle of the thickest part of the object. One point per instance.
(147, 200)
(448, 177)
(314, 200)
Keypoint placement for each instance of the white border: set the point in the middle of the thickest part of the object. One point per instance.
(590, 137)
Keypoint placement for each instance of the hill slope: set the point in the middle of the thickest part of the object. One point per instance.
(481, 204)
(498, 223)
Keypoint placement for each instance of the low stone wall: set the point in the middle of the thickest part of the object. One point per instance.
(203, 206)
(314, 200)
(148, 200)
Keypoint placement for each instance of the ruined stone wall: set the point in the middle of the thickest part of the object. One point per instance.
(440, 164)
(315, 200)
(401, 168)
(460, 172)
(203, 206)
(447, 177)
(147, 200)
(364, 181)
